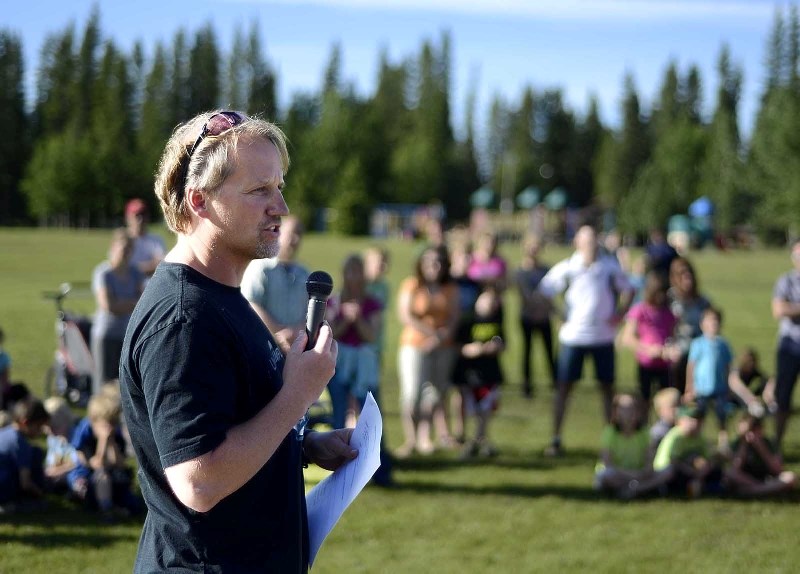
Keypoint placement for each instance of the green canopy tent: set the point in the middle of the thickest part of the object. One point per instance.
(529, 197)
(556, 199)
(482, 197)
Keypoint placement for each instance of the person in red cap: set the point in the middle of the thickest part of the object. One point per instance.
(148, 248)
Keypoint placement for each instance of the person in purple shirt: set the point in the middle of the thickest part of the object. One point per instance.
(355, 318)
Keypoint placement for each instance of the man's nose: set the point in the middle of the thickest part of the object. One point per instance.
(279, 207)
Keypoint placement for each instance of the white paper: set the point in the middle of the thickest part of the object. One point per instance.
(327, 501)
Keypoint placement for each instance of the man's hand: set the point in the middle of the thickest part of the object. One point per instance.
(329, 450)
(351, 311)
(308, 372)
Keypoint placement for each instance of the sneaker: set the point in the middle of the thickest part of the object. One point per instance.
(554, 450)
(487, 449)
(448, 443)
(470, 450)
(403, 451)
(630, 491)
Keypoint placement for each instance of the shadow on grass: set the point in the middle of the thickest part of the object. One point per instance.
(62, 524)
(517, 490)
(578, 493)
(45, 538)
(508, 459)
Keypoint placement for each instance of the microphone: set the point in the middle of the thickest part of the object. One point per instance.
(319, 286)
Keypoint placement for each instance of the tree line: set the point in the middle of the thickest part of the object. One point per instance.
(100, 117)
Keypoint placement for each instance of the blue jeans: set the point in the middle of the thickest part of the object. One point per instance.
(357, 373)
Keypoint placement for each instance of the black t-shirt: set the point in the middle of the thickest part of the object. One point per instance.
(197, 361)
(753, 463)
(485, 369)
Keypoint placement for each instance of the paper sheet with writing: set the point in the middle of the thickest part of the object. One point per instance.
(327, 501)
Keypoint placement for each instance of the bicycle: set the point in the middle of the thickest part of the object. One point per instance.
(70, 375)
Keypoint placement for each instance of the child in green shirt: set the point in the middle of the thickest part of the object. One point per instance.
(683, 454)
(625, 467)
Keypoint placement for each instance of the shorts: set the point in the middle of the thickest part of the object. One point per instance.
(485, 398)
(785, 378)
(722, 407)
(570, 362)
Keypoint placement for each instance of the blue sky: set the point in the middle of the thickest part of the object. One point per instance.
(582, 46)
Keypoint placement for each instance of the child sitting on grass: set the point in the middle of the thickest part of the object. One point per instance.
(21, 472)
(665, 403)
(756, 469)
(625, 466)
(98, 437)
(752, 388)
(683, 455)
(61, 456)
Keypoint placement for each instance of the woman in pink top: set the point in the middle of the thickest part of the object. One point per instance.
(648, 331)
(487, 267)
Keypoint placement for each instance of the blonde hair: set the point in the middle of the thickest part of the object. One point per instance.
(669, 397)
(210, 164)
(110, 390)
(103, 408)
(60, 414)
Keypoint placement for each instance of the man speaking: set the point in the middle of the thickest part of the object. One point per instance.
(209, 398)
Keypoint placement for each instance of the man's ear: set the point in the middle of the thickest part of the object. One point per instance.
(196, 201)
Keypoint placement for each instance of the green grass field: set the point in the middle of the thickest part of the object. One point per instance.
(519, 512)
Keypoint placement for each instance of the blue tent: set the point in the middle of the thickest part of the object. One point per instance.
(701, 207)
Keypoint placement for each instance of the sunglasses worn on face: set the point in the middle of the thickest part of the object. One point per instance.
(215, 126)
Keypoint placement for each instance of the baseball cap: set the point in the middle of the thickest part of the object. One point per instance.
(135, 205)
(691, 410)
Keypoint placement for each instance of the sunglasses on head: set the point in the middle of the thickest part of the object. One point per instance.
(215, 126)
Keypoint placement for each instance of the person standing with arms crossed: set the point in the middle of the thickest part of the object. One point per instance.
(209, 398)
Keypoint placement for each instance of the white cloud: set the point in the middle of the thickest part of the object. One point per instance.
(624, 10)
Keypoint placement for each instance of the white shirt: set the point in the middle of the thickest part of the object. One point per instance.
(279, 288)
(590, 295)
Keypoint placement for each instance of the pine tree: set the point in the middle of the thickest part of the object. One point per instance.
(722, 171)
(261, 98)
(14, 146)
(204, 61)
(237, 76)
(86, 73)
(156, 123)
(180, 106)
(588, 139)
(773, 163)
(55, 94)
(622, 155)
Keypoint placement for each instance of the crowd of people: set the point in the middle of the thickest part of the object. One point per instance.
(88, 459)
(452, 335)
